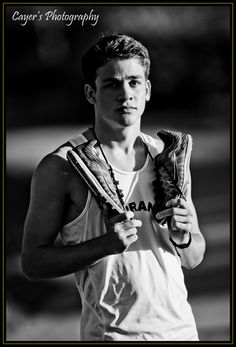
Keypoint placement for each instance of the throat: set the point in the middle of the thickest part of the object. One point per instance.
(132, 159)
(125, 162)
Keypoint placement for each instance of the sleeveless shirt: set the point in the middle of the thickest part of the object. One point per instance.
(139, 295)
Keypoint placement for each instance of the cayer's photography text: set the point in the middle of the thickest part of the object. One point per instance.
(89, 18)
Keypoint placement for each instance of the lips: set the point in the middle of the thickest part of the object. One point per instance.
(126, 109)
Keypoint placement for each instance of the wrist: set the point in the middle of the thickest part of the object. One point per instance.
(184, 244)
(107, 243)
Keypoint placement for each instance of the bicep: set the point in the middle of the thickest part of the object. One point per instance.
(47, 203)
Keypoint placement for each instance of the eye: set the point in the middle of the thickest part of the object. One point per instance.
(112, 84)
(134, 83)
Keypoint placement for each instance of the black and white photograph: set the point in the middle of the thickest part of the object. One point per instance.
(118, 174)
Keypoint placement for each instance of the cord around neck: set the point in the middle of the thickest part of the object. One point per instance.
(105, 158)
(118, 190)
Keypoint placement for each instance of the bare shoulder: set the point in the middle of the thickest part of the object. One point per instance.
(57, 190)
(55, 171)
(54, 163)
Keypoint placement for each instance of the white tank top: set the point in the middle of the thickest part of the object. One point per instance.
(138, 295)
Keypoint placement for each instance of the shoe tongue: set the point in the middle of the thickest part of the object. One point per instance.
(91, 144)
(167, 138)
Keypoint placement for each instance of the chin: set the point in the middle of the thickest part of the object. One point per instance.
(130, 120)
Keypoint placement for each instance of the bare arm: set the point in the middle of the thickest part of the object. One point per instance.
(50, 191)
(183, 222)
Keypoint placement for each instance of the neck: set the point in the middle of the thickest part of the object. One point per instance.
(123, 139)
(125, 153)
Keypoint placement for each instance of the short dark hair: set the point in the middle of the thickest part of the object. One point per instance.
(109, 47)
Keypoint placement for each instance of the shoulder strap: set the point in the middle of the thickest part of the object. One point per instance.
(77, 140)
(81, 138)
(155, 145)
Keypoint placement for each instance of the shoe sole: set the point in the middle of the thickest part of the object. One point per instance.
(90, 180)
(186, 162)
(182, 191)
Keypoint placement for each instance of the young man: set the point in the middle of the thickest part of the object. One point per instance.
(121, 201)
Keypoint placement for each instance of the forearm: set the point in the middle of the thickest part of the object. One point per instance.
(183, 224)
(55, 261)
(193, 255)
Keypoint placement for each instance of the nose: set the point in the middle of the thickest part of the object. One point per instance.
(125, 92)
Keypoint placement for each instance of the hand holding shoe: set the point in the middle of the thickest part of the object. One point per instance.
(121, 231)
(180, 219)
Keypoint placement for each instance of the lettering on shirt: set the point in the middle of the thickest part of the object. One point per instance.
(141, 206)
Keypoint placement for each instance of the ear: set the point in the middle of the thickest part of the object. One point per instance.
(90, 94)
(148, 90)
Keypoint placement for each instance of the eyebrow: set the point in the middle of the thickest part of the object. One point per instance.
(110, 79)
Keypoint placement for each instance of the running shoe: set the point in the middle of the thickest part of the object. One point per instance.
(96, 174)
(172, 169)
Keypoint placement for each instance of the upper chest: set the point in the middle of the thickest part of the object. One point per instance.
(136, 185)
(129, 162)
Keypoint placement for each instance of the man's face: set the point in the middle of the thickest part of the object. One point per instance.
(121, 92)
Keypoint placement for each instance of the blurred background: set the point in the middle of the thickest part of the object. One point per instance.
(190, 50)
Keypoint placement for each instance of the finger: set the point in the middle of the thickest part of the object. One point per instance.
(184, 227)
(133, 238)
(177, 202)
(183, 203)
(182, 211)
(134, 223)
(174, 211)
(182, 218)
(123, 234)
(164, 213)
(129, 240)
(122, 217)
(173, 202)
(171, 211)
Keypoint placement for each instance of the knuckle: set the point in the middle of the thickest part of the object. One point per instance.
(188, 212)
(127, 225)
(129, 215)
(189, 227)
(132, 223)
(121, 235)
(139, 223)
(126, 243)
(191, 218)
(173, 224)
(175, 218)
(134, 238)
(177, 224)
(117, 228)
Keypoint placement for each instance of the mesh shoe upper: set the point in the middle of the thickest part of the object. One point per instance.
(96, 173)
(172, 168)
